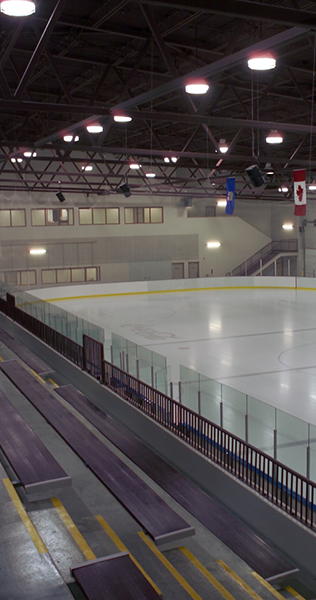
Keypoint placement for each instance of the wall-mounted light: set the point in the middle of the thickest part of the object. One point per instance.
(213, 244)
(221, 203)
(37, 251)
(288, 226)
(274, 137)
(94, 128)
(197, 86)
(18, 8)
(263, 61)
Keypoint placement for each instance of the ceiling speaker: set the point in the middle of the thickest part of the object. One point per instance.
(255, 176)
(125, 189)
(60, 197)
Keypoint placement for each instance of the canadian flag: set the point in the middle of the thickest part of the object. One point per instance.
(299, 192)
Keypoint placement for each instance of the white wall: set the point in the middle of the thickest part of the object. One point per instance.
(139, 252)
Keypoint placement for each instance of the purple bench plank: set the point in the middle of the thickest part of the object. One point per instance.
(261, 557)
(113, 577)
(30, 359)
(162, 523)
(35, 467)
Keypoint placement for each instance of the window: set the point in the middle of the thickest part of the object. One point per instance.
(140, 214)
(12, 218)
(19, 277)
(52, 216)
(99, 216)
(74, 275)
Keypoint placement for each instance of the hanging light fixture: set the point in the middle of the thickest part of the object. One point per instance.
(94, 128)
(150, 174)
(17, 8)
(71, 138)
(263, 61)
(121, 117)
(134, 166)
(274, 137)
(197, 86)
(87, 168)
(29, 154)
(223, 146)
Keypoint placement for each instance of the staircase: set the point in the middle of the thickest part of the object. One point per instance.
(262, 259)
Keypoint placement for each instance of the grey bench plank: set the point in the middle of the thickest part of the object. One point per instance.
(261, 557)
(34, 465)
(30, 359)
(113, 577)
(162, 523)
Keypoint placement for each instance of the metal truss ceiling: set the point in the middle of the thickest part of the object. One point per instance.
(73, 62)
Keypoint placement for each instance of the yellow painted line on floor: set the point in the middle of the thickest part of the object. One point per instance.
(38, 376)
(268, 586)
(220, 588)
(24, 517)
(186, 586)
(1, 359)
(294, 593)
(122, 548)
(240, 581)
(53, 382)
(73, 530)
(205, 289)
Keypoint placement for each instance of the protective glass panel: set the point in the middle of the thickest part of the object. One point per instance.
(5, 220)
(63, 275)
(210, 392)
(85, 216)
(234, 411)
(292, 441)
(261, 424)
(77, 275)
(129, 215)
(162, 380)
(190, 385)
(156, 214)
(112, 216)
(18, 218)
(48, 276)
(91, 274)
(99, 216)
(38, 217)
(145, 365)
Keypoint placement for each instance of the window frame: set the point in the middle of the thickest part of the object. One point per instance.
(143, 208)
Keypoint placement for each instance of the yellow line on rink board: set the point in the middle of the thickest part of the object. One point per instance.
(119, 544)
(170, 567)
(24, 517)
(238, 579)
(220, 588)
(73, 530)
(53, 382)
(267, 585)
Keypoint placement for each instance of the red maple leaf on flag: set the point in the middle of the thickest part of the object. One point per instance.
(299, 193)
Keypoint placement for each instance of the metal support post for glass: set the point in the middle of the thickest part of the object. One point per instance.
(221, 416)
(275, 267)
(180, 393)
(246, 420)
(246, 267)
(199, 402)
(127, 364)
(308, 454)
(137, 368)
(111, 350)
(288, 267)
(171, 389)
(152, 370)
(261, 266)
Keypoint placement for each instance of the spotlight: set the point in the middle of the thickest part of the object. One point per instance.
(17, 8)
(274, 137)
(126, 190)
(60, 197)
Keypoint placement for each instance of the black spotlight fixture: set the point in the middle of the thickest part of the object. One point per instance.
(255, 176)
(126, 190)
(60, 197)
